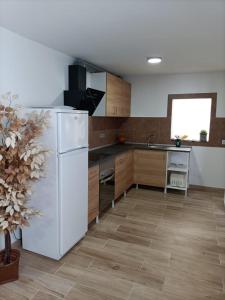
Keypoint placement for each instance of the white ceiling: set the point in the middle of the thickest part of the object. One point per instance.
(119, 34)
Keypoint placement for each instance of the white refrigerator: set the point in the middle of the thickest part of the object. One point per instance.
(62, 194)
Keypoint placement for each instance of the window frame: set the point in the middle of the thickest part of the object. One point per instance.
(213, 96)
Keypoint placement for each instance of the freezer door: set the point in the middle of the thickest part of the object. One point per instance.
(72, 131)
(73, 192)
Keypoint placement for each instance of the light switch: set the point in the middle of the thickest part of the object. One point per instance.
(223, 142)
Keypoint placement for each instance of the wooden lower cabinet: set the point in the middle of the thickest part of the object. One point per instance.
(150, 167)
(147, 167)
(93, 193)
(123, 172)
(129, 169)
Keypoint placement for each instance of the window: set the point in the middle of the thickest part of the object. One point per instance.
(190, 114)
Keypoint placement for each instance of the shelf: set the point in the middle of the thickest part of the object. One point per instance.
(177, 169)
(176, 187)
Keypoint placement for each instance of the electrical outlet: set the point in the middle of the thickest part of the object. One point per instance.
(102, 135)
(223, 142)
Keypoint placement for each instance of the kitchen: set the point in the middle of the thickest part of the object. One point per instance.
(148, 237)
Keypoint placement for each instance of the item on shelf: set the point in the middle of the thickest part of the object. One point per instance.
(178, 180)
(179, 139)
(181, 165)
(121, 139)
(173, 165)
(203, 136)
(177, 166)
(178, 142)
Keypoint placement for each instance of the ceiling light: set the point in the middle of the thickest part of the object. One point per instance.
(154, 60)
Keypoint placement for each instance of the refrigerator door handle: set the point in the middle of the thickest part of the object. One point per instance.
(71, 150)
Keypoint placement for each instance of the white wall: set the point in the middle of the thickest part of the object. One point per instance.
(36, 73)
(149, 99)
(150, 93)
(207, 166)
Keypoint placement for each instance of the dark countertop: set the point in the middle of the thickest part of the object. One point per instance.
(95, 156)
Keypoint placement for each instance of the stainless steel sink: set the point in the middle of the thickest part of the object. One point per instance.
(158, 146)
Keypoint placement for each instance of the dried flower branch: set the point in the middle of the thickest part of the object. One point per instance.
(22, 161)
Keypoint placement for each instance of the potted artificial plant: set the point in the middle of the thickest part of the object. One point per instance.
(179, 139)
(203, 135)
(22, 161)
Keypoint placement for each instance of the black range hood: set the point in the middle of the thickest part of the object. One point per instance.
(78, 96)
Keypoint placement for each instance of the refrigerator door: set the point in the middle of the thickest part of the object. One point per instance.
(72, 131)
(73, 197)
(42, 236)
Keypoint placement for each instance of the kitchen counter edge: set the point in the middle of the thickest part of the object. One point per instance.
(95, 155)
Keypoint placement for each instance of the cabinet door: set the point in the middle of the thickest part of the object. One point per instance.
(113, 95)
(93, 193)
(150, 167)
(111, 110)
(120, 175)
(117, 97)
(129, 169)
(125, 104)
(123, 173)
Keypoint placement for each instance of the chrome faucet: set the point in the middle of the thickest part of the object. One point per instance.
(149, 140)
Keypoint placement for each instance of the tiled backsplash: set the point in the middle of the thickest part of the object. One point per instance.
(139, 129)
(104, 131)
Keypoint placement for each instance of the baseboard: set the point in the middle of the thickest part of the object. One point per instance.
(205, 188)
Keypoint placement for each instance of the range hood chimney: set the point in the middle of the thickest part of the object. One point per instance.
(77, 78)
(78, 96)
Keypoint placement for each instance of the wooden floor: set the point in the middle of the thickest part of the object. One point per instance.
(150, 247)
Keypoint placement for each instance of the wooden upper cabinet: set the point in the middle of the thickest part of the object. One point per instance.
(127, 97)
(118, 97)
(150, 167)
